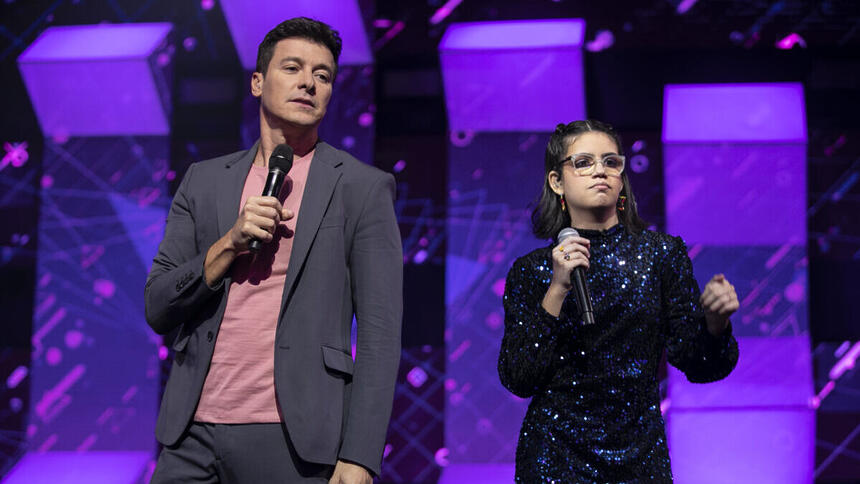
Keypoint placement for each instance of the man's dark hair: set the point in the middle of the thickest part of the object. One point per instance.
(548, 218)
(303, 28)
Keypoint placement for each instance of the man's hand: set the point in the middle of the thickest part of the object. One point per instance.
(349, 473)
(720, 301)
(258, 219)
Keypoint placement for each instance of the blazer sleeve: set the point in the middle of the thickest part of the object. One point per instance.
(376, 269)
(690, 347)
(175, 287)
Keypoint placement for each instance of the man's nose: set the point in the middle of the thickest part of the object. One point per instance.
(306, 80)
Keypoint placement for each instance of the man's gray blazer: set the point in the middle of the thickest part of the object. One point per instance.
(346, 260)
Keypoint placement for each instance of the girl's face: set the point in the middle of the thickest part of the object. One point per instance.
(597, 190)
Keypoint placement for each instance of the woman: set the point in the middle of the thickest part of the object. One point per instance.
(595, 409)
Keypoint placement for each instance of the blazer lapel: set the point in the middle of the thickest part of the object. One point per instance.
(322, 179)
(229, 188)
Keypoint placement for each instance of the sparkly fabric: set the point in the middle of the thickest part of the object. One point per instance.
(595, 409)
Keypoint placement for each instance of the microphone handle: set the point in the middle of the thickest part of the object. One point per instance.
(271, 189)
(582, 297)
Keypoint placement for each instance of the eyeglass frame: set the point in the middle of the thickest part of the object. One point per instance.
(590, 170)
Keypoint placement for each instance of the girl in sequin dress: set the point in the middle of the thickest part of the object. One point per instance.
(595, 409)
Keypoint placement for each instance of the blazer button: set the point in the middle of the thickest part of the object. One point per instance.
(209, 336)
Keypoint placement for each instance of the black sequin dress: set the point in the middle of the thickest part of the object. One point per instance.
(595, 409)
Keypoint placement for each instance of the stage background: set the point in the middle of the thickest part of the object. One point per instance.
(391, 111)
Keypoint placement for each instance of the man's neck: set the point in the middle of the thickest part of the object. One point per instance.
(302, 141)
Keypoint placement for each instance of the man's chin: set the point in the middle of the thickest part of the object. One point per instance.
(300, 122)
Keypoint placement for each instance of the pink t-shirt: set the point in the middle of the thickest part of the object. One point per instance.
(240, 385)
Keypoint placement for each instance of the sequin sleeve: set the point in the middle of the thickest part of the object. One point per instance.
(691, 348)
(531, 334)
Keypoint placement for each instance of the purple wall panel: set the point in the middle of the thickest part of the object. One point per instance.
(746, 446)
(495, 77)
(771, 372)
(71, 71)
(95, 364)
(488, 227)
(248, 26)
(771, 282)
(701, 113)
(736, 194)
(513, 76)
(74, 467)
(735, 179)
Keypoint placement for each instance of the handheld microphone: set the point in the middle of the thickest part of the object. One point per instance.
(280, 163)
(577, 279)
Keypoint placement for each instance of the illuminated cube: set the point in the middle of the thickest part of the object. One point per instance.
(524, 75)
(100, 80)
(248, 25)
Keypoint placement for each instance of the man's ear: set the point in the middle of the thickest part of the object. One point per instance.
(257, 79)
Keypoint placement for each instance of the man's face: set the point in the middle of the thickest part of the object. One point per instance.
(297, 85)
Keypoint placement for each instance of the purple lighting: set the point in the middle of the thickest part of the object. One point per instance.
(516, 34)
(70, 71)
(756, 445)
(752, 193)
(790, 41)
(96, 42)
(444, 11)
(735, 178)
(845, 363)
(513, 76)
(734, 112)
(771, 372)
(74, 467)
(248, 26)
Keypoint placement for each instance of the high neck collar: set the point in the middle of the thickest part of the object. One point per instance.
(595, 234)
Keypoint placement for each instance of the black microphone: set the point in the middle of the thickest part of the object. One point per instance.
(577, 279)
(279, 165)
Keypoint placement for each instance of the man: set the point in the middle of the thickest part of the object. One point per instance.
(263, 386)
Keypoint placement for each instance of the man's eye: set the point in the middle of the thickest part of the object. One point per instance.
(323, 77)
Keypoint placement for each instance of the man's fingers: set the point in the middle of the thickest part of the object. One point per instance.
(265, 202)
(265, 223)
(264, 211)
(286, 214)
(251, 231)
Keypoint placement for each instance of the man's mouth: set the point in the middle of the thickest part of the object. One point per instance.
(306, 102)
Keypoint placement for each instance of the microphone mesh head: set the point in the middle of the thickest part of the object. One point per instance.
(565, 233)
(282, 158)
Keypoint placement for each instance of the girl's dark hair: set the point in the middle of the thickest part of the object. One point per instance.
(303, 28)
(547, 217)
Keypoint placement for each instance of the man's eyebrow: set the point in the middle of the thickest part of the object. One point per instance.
(298, 60)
